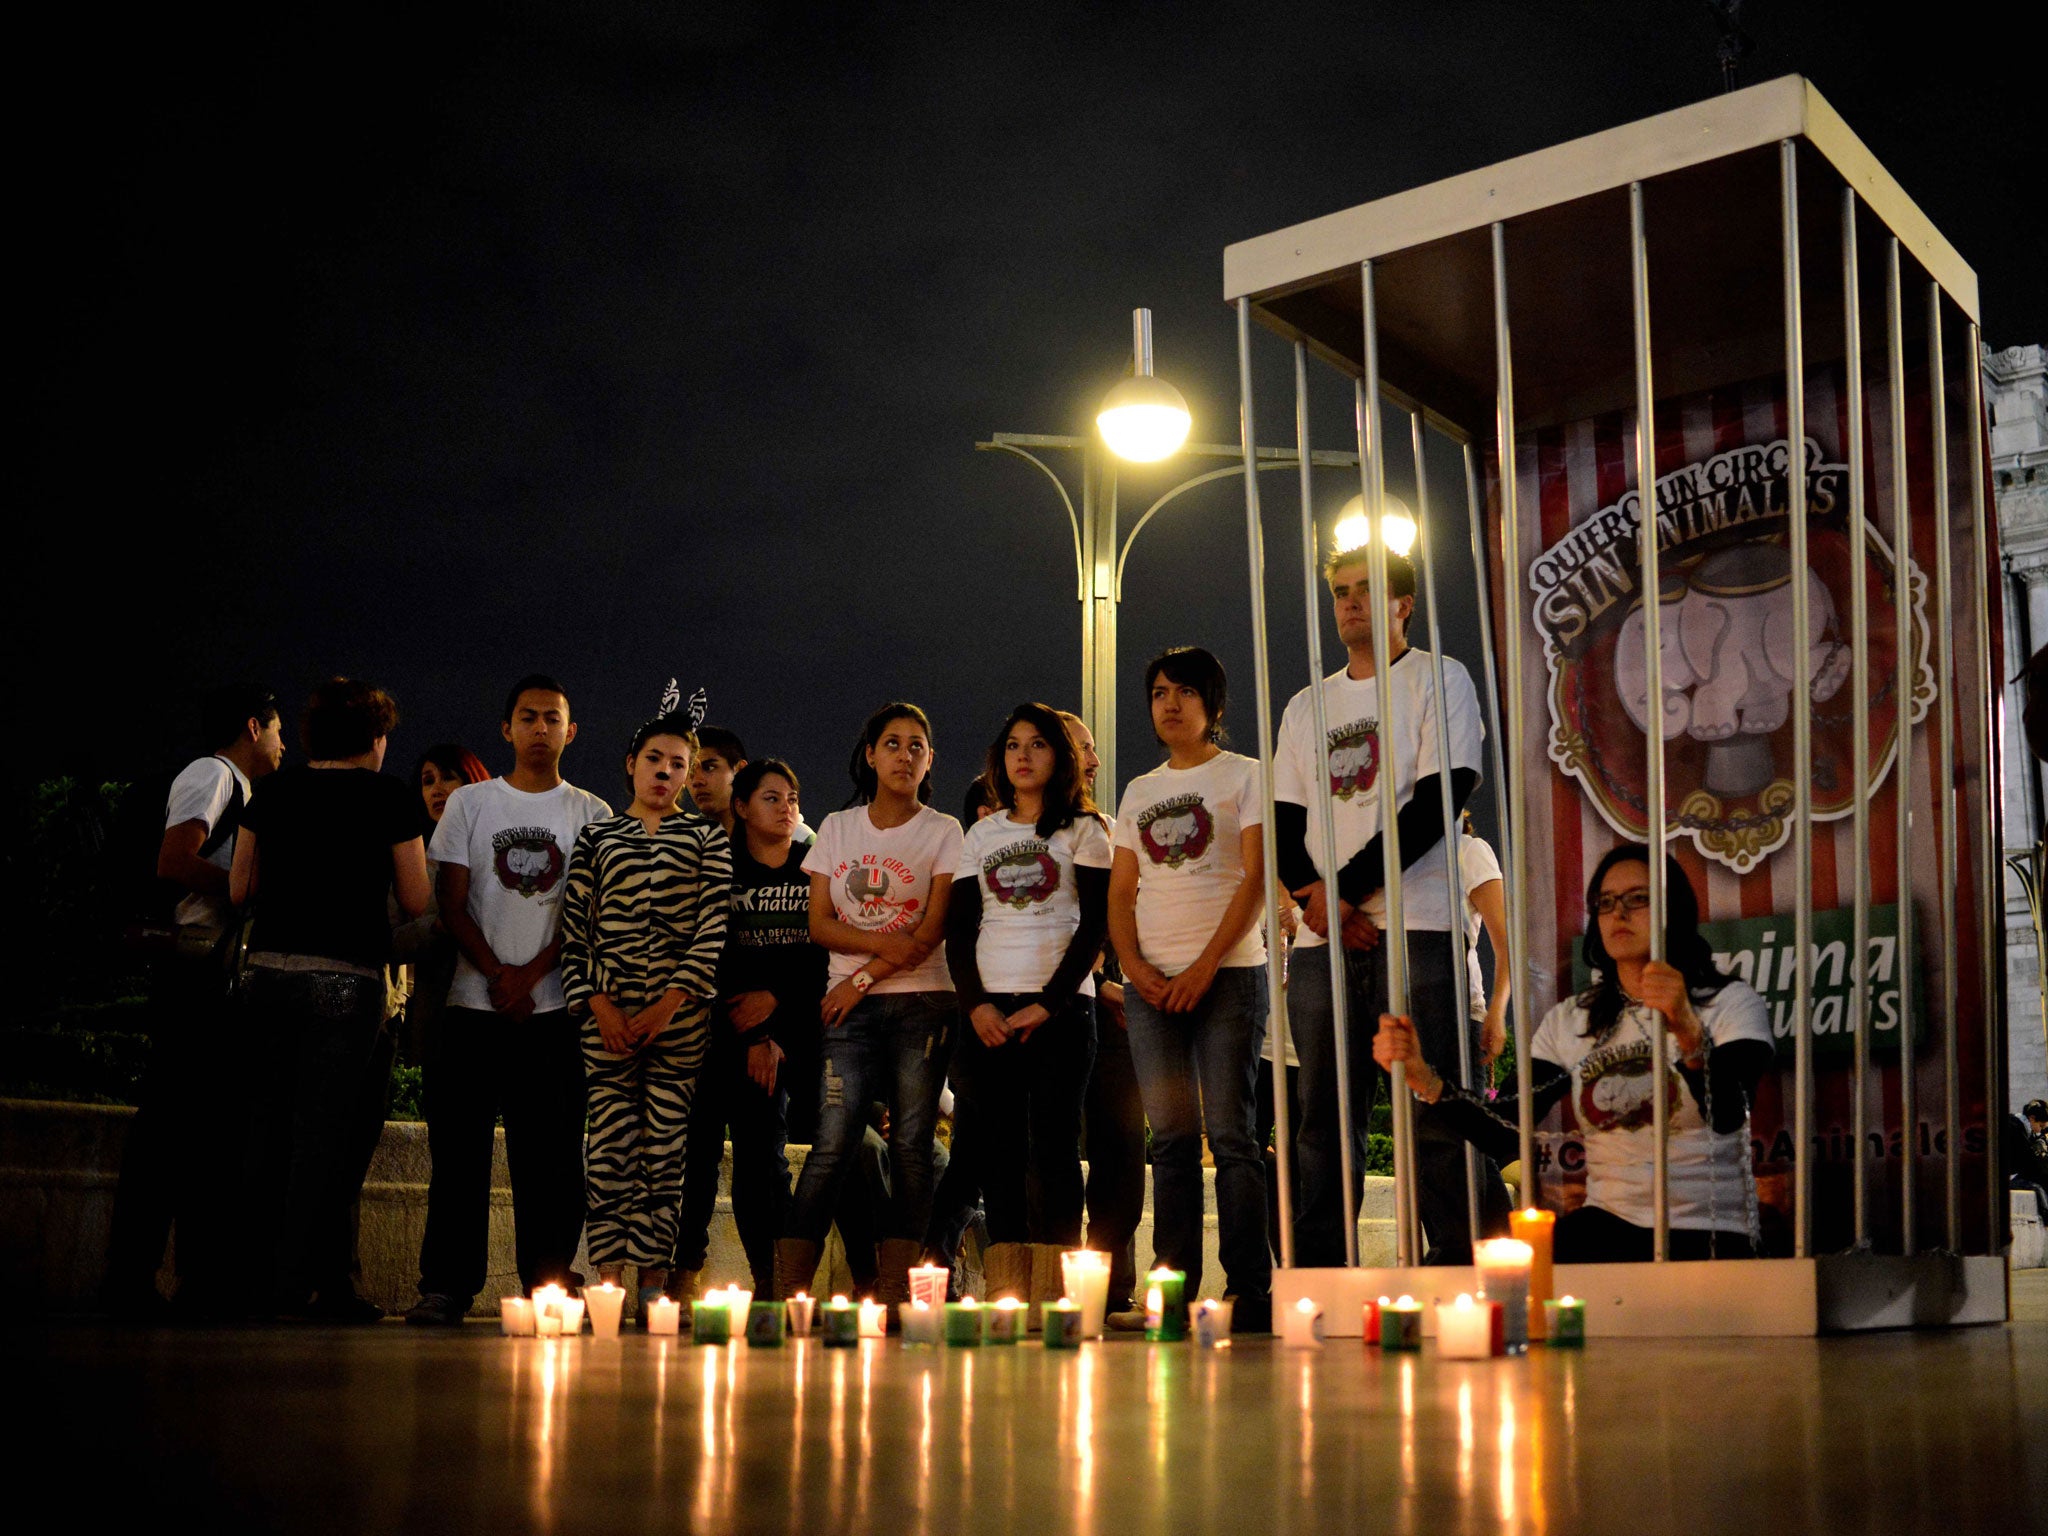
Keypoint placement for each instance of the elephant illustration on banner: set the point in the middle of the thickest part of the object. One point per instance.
(1729, 660)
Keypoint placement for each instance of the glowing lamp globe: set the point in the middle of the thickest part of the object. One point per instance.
(1144, 419)
(1397, 526)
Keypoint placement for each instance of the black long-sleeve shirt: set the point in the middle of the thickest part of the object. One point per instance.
(1420, 823)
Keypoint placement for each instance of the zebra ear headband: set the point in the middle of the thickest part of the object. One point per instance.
(672, 704)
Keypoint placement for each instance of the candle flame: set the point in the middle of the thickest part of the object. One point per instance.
(1463, 1300)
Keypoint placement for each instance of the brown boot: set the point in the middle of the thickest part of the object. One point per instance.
(1048, 1278)
(686, 1286)
(893, 1263)
(1006, 1271)
(796, 1266)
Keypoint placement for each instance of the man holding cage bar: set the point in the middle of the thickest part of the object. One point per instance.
(1356, 912)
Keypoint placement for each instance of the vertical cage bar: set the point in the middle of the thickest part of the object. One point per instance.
(1518, 814)
(1945, 777)
(1653, 696)
(1276, 994)
(1908, 680)
(1990, 862)
(1319, 814)
(1396, 940)
(1482, 578)
(1859, 728)
(1802, 716)
(1454, 867)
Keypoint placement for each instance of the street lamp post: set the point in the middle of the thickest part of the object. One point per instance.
(1099, 557)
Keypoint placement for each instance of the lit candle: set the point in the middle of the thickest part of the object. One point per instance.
(928, 1284)
(711, 1319)
(1301, 1325)
(800, 1307)
(923, 1323)
(547, 1322)
(1401, 1324)
(874, 1319)
(1372, 1318)
(664, 1315)
(1166, 1305)
(1503, 1266)
(515, 1317)
(1536, 1228)
(1212, 1323)
(1003, 1322)
(1061, 1322)
(963, 1322)
(1468, 1330)
(1565, 1322)
(607, 1306)
(1086, 1275)
(842, 1323)
(740, 1303)
(570, 1310)
(764, 1324)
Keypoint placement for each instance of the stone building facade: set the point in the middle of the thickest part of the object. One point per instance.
(2016, 393)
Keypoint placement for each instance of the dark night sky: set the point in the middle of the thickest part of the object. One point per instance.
(618, 343)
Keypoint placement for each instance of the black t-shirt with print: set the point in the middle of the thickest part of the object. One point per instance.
(768, 942)
(323, 843)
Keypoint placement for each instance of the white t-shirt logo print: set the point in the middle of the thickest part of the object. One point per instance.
(1023, 874)
(1354, 758)
(528, 860)
(1175, 831)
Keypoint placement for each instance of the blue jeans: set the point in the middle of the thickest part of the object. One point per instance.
(1197, 1071)
(892, 1048)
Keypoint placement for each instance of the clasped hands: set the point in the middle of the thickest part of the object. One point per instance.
(1179, 993)
(1357, 930)
(623, 1034)
(994, 1027)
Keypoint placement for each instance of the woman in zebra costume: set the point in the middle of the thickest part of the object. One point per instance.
(643, 926)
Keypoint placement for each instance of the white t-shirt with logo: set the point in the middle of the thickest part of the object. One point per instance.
(516, 848)
(1352, 708)
(1478, 864)
(1186, 826)
(881, 882)
(1030, 896)
(202, 793)
(1610, 1095)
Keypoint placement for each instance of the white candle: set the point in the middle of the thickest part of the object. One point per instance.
(1212, 1323)
(922, 1323)
(515, 1317)
(928, 1284)
(800, 1307)
(1301, 1325)
(607, 1304)
(1464, 1329)
(1086, 1274)
(874, 1319)
(570, 1310)
(665, 1315)
(547, 1322)
(1503, 1265)
(738, 1301)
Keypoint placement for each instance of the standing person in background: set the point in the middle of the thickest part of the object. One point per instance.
(1113, 1114)
(325, 845)
(1348, 904)
(643, 929)
(761, 1072)
(1024, 930)
(1486, 911)
(1186, 894)
(881, 873)
(423, 945)
(720, 755)
(173, 1130)
(507, 1044)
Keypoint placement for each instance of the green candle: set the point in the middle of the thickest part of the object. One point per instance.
(711, 1321)
(1166, 1305)
(764, 1323)
(1061, 1321)
(1002, 1322)
(963, 1323)
(1564, 1323)
(842, 1323)
(1401, 1324)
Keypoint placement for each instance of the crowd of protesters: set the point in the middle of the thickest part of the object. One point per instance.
(626, 990)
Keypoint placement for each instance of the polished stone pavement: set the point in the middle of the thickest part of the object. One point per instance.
(395, 1429)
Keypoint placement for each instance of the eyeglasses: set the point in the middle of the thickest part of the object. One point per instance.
(1622, 901)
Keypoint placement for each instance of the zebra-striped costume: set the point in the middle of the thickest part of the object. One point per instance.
(643, 912)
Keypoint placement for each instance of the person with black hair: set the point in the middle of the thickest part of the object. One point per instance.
(1348, 904)
(175, 1118)
(507, 1045)
(1594, 1050)
(720, 755)
(881, 874)
(643, 927)
(326, 844)
(1186, 894)
(760, 1075)
(1026, 923)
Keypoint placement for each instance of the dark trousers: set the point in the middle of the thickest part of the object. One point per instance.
(1262, 1102)
(1590, 1235)
(1025, 1097)
(1439, 1008)
(320, 1036)
(1197, 1071)
(181, 1161)
(727, 1100)
(1113, 1142)
(479, 1066)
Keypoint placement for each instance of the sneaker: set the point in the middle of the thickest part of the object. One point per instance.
(1131, 1320)
(1251, 1314)
(437, 1311)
